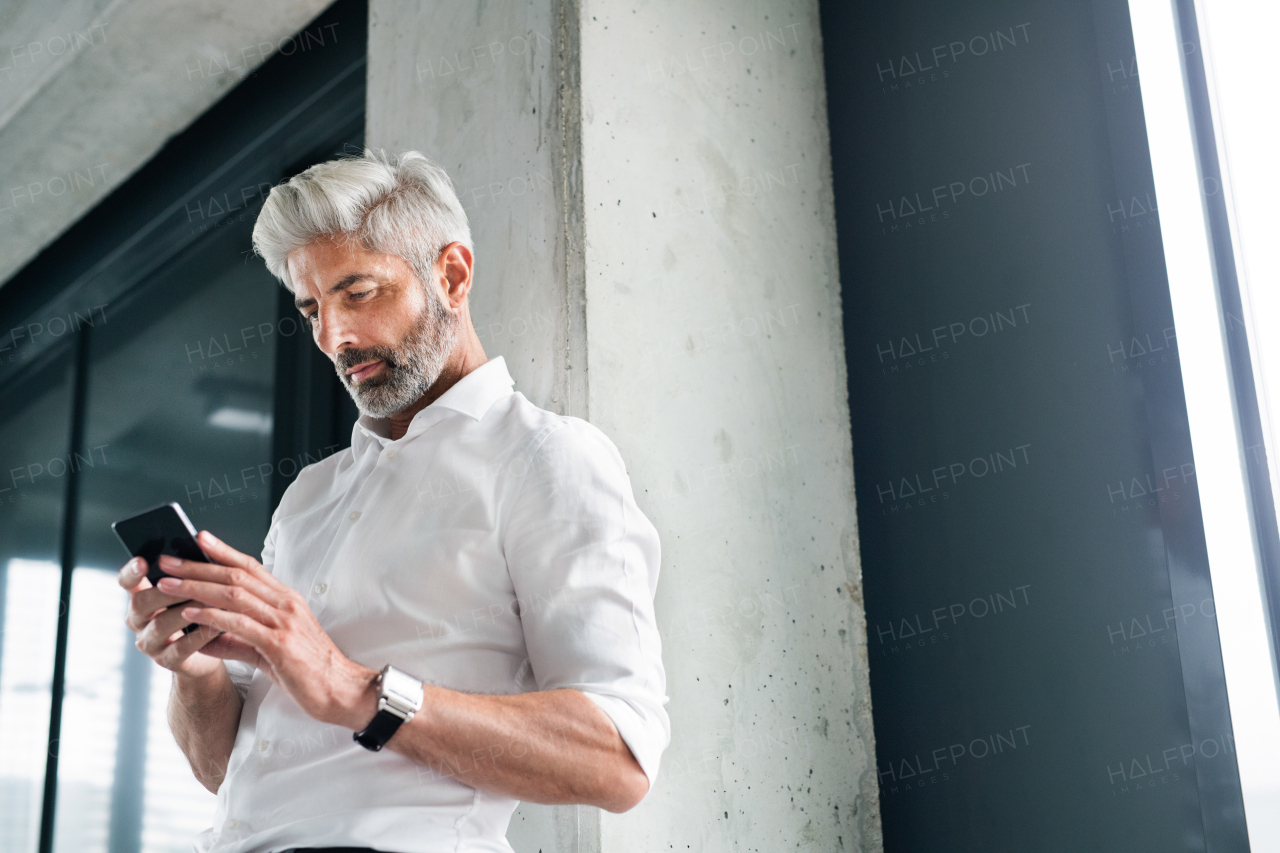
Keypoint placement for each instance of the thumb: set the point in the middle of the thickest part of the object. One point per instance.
(133, 575)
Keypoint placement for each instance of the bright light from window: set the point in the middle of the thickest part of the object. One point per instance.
(241, 420)
(1232, 557)
(90, 712)
(1241, 39)
(26, 665)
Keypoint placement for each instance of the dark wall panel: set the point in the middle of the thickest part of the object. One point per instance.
(1045, 665)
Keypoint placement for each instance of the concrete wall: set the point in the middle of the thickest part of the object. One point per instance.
(717, 364)
(91, 89)
(711, 353)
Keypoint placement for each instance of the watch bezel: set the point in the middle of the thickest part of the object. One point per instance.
(400, 693)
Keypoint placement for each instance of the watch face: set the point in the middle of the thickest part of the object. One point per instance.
(403, 686)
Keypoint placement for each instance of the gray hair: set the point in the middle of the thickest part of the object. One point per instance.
(403, 205)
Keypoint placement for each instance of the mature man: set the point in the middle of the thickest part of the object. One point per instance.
(470, 584)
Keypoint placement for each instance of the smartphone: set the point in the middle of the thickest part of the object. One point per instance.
(163, 529)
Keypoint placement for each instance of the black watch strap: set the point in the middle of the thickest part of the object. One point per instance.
(379, 730)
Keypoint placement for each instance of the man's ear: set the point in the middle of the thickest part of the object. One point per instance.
(455, 263)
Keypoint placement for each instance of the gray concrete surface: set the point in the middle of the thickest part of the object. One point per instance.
(717, 364)
(91, 89)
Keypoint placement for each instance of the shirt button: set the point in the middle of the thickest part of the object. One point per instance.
(233, 824)
(392, 453)
(355, 516)
(262, 745)
(319, 588)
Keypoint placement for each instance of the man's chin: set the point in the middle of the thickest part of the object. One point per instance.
(387, 392)
(373, 400)
(379, 408)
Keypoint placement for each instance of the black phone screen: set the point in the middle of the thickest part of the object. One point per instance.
(164, 529)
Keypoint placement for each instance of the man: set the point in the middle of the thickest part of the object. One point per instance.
(470, 585)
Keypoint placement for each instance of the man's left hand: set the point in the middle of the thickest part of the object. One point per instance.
(288, 644)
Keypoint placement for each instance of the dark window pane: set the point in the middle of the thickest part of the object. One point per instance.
(180, 408)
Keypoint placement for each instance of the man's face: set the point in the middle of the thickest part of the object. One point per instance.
(387, 334)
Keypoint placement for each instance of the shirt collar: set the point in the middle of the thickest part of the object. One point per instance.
(472, 395)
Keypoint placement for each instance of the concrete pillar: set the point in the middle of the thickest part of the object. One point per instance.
(650, 191)
(477, 88)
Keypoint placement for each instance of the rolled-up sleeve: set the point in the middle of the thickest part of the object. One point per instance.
(584, 563)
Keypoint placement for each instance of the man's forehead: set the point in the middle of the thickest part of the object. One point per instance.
(323, 267)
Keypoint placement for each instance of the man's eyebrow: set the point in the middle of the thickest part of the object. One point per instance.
(341, 285)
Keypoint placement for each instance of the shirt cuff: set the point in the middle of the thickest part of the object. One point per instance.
(644, 734)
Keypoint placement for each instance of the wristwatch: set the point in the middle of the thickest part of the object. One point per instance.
(400, 698)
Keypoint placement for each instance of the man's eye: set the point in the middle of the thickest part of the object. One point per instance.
(359, 294)
(309, 318)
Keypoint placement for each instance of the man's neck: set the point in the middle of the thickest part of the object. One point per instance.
(467, 355)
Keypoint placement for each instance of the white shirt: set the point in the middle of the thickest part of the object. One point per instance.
(495, 548)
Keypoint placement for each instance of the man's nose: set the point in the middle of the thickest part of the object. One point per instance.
(331, 331)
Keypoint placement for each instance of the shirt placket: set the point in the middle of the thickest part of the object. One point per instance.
(322, 579)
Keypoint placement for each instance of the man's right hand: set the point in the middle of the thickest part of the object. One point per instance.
(159, 630)
(204, 707)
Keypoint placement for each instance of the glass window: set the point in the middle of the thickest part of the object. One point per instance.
(179, 408)
(34, 422)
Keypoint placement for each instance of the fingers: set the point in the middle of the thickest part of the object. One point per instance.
(231, 647)
(230, 596)
(222, 552)
(160, 631)
(246, 629)
(145, 602)
(249, 579)
(225, 554)
(174, 653)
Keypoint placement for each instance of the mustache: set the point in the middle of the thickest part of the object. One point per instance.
(350, 358)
